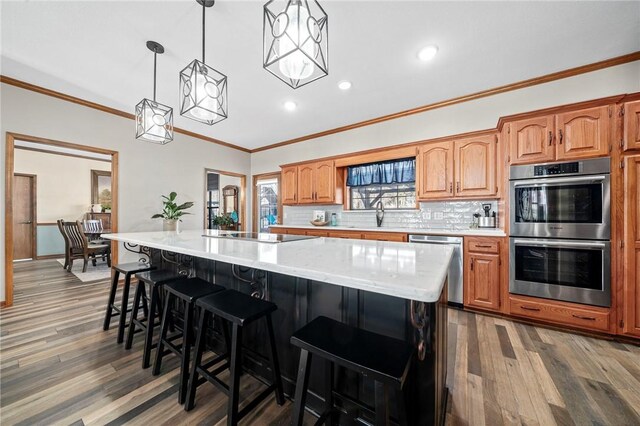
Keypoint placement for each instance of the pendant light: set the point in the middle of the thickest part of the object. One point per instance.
(154, 121)
(203, 90)
(295, 41)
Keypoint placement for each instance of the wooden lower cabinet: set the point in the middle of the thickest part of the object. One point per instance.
(482, 273)
(355, 235)
(561, 313)
(630, 314)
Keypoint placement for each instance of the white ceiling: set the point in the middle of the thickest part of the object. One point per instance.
(96, 50)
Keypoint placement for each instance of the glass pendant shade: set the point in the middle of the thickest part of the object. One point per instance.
(295, 41)
(154, 122)
(203, 92)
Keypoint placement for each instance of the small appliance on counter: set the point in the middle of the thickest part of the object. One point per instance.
(489, 220)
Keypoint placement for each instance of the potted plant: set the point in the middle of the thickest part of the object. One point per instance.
(106, 207)
(172, 212)
(224, 221)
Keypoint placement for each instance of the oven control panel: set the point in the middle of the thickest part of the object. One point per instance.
(556, 169)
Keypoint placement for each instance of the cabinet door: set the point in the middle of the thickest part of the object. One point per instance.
(325, 182)
(317, 233)
(632, 125)
(583, 133)
(475, 166)
(631, 286)
(435, 171)
(531, 140)
(482, 281)
(289, 185)
(305, 183)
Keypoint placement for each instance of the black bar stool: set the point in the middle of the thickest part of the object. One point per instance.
(155, 280)
(386, 360)
(238, 309)
(128, 269)
(186, 290)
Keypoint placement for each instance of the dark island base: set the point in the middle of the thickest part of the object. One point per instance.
(300, 301)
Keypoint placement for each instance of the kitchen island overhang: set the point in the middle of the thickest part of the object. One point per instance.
(391, 288)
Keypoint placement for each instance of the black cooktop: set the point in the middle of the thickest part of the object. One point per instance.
(256, 236)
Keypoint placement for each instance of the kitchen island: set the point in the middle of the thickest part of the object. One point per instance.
(395, 289)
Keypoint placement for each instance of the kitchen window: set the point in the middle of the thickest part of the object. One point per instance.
(391, 183)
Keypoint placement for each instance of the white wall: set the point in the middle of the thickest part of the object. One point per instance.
(63, 183)
(146, 170)
(469, 116)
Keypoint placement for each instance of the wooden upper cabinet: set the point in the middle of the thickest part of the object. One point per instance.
(475, 166)
(325, 182)
(306, 190)
(584, 133)
(631, 286)
(532, 140)
(631, 126)
(435, 170)
(289, 185)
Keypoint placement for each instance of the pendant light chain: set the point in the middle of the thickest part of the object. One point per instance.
(155, 65)
(203, 11)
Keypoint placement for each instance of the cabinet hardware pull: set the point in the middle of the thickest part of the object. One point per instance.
(560, 132)
(472, 264)
(583, 317)
(483, 246)
(450, 186)
(458, 186)
(550, 138)
(527, 308)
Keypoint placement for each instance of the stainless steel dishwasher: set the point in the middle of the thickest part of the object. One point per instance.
(455, 268)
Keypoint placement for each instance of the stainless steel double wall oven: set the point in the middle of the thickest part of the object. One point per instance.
(560, 231)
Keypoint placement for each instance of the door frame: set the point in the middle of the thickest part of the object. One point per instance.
(243, 195)
(34, 206)
(8, 203)
(254, 195)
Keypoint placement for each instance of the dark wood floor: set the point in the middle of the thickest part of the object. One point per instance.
(59, 367)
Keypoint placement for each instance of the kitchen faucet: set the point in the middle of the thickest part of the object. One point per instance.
(379, 213)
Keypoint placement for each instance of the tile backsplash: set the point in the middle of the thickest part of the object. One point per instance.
(451, 215)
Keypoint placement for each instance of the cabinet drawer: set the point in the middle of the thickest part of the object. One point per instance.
(385, 236)
(345, 234)
(317, 233)
(562, 314)
(483, 246)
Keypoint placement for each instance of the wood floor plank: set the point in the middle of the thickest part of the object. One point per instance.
(57, 366)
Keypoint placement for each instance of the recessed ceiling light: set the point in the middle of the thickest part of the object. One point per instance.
(344, 85)
(428, 52)
(290, 105)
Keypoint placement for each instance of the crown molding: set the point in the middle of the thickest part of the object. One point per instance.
(619, 60)
(59, 95)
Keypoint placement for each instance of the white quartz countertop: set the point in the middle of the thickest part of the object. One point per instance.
(406, 270)
(489, 232)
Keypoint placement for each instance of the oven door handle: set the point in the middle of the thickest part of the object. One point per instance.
(559, 180)
(559, 244)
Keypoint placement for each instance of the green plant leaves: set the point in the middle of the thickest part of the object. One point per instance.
(172, 210)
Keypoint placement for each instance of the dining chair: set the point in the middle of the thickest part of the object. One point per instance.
(81, 248)
(92, 229)
(60, 223)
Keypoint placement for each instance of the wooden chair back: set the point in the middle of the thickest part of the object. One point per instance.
(93, 226)
(77, 239)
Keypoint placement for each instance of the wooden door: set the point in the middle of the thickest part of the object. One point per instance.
(24, 216)
(583, 134)
(435, 171)
(306, 191)
(482, 279)
(289, 184)
(475, 166)
(531, 140)
(325, 182)
(631, 286)
(631, 126)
